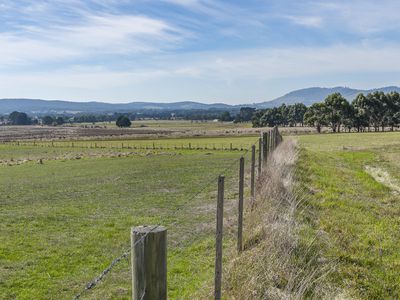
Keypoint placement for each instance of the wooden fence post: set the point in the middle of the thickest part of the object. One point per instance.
(271, 142)
(265, 145)
(253, 171)
(218, 239)
(259, 156)
(240, 214)
(149, 262)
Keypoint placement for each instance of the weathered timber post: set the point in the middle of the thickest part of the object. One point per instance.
(253, 171)
(190, 146)
(259, 156)
(240, 206)
(272, 146)
(231, 147)
(149, 262)
(218, 239)
(265, 145)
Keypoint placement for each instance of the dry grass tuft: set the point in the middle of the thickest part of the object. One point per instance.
(277, 262)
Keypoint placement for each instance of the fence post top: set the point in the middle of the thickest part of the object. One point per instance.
(147, 229)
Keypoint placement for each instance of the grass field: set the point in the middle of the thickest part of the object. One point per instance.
(64, 221)
(176, 124)
(356, 209)
(29, 150)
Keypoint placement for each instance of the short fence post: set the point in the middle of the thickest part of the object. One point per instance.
(253, 171)
(149, 262)
(265, 147)
(259, 156)
(271, 142)
(218, 239)
(240, 214)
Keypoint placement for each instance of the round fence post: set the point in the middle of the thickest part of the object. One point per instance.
(259, 156)
(240, 206)
(149, 262)
(253, 171)
(265, 147)
(218, 239)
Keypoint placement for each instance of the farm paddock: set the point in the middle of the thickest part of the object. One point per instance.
(66, 210)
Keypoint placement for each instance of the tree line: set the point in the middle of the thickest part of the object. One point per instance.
(376, 110)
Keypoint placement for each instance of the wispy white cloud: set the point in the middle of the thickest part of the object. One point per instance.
(272, 63)
(125, 45)
(97, 34)
(226, 71)
(309, 21)
(358, 16)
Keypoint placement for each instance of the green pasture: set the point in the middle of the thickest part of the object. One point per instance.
(64, 221)
(357, 214)
(29, 150)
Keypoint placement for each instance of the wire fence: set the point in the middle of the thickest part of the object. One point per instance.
(206, 185)
(271, 143)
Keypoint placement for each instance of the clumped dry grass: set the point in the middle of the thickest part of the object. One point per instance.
(278, 261)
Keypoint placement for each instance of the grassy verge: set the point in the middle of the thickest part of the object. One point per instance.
(276, 263)
(358, 215)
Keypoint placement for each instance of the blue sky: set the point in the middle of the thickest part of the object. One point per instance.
(201, 50)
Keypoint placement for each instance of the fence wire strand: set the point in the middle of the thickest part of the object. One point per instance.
(93, 283)
(99, 278)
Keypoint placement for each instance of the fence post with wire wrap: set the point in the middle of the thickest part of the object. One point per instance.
(149, 262)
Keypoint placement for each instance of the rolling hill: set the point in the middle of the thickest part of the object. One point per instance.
(307, 96)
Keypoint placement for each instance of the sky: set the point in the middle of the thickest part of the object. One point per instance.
(199, 50)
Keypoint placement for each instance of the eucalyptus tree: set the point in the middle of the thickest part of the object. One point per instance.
(337, 110)
(316, 116)
(360, 112)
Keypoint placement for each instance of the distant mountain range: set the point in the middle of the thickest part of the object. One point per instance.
(307, 96)
(316, 94)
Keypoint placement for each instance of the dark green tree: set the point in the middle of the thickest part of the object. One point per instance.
(337, 109)
(47, 120)
(123, 121)
(296, 114)
(60, 120)
(316, 116)
(360, 113)
(225, 117)
(245, 114)
(19, 118)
